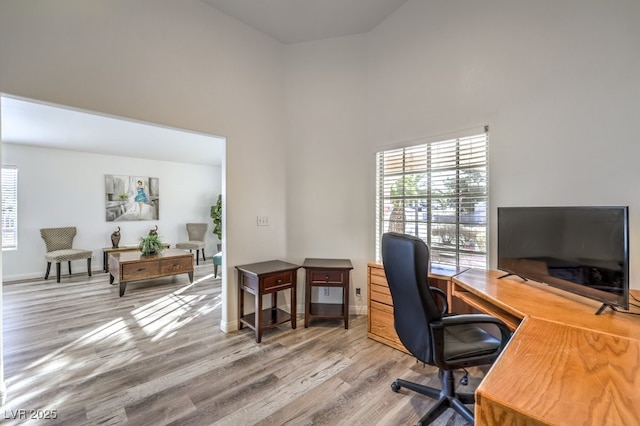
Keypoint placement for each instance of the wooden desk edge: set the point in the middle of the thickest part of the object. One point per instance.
(488, 406)
(480, 301)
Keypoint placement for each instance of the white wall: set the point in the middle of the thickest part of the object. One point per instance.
(329, 205)
(556, 82)
(181, 64)
(66, 188)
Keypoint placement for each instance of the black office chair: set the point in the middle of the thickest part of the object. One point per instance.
(448, 342)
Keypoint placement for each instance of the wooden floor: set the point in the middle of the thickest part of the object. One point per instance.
(156, 357)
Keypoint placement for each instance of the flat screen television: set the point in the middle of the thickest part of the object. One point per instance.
(584, 250)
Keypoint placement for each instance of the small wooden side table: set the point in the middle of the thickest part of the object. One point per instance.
(266, 278)
(327, 273)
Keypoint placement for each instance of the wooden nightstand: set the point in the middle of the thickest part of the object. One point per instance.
(327, 273)
(266, 278)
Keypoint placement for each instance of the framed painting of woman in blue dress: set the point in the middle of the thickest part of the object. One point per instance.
(130, 198)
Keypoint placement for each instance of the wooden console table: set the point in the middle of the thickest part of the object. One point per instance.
(564, 364)
(327, 273)
(266, 278)
(380, 307)
(134, 266)
(107, 250)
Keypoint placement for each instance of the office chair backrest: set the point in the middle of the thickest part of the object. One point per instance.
(406, 265)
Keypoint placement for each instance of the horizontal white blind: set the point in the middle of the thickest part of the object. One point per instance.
(9, 189)
(438, 192)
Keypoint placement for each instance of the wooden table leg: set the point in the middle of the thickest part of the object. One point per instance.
(274, 307)
(293, 305)
(240, 303)
(345, 299)
(307, 298)
(258, 316)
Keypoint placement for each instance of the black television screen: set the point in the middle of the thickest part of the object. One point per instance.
(584, 250)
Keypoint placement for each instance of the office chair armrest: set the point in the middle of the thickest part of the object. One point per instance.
(443, 296)
(505, 333)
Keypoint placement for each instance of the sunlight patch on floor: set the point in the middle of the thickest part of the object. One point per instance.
(164, 316)
(62, 365)
(109, 346)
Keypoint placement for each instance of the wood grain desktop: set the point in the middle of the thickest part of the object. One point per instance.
(564, 364)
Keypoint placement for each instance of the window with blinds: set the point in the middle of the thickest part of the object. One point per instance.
(437, 191)
(9, 207)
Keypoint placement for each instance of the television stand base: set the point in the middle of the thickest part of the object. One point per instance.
(509, 274)
(605, 306)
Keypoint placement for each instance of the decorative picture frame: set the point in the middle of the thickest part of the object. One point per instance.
(131, 198)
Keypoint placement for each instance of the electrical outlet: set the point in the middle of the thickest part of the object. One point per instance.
(326, 291)
(358, 291)
(262, 220)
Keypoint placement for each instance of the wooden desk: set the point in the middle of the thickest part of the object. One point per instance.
(266, 278)
(563, 365)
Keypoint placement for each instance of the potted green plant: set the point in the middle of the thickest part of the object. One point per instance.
(216, 215)
(151, 244)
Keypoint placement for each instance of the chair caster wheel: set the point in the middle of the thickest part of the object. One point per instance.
(395, 387)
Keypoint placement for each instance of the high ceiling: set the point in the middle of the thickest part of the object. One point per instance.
(295, 21)
(288, 21)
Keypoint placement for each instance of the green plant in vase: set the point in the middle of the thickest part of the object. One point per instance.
(216, 215)
(151, 244)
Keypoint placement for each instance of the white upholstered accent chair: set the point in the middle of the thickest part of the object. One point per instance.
(196, 233)
(59, 242)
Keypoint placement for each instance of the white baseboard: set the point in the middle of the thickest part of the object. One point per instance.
(28, 276)
(353, 309)
(228, 327)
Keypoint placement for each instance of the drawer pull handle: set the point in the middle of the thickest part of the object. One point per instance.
(326, 277)
(278, 281)
(142, 269)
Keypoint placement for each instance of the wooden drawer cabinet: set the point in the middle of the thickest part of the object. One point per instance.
(327, 273)
(380, 306)
(381, 325)
(127, 265)
(262, 278)
(277, 282)
(327, 277)
(175, 266)
(132, 272)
